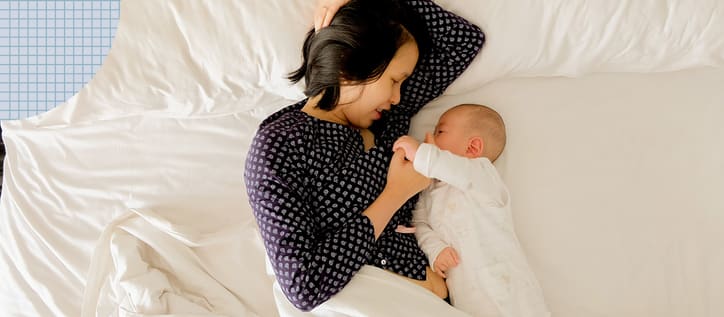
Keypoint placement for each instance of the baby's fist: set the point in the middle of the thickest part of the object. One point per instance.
(407, 144)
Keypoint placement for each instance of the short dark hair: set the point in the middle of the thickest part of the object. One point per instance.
(357, 46)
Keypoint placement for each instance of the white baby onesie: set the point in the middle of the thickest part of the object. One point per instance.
(468, 208)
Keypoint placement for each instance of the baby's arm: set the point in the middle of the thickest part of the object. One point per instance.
(430, 241)
(458, 171)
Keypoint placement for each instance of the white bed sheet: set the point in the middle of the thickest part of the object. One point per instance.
(614, 177)
(616, 186)
(63, 186)
(615, 182)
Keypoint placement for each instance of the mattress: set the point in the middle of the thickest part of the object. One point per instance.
(129, 198)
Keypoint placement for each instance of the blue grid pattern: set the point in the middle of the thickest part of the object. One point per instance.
(49, 50)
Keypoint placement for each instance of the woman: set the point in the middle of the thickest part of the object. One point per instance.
(317, 171)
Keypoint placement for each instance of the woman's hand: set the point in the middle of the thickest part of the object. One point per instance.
(403, 182)
(325, 11)
(402, 178)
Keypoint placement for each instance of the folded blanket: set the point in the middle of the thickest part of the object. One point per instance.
(374, 292)
(146, 266)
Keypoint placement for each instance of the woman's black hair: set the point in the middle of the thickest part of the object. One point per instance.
(357, 46)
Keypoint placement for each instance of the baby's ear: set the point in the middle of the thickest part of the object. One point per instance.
(475, 148)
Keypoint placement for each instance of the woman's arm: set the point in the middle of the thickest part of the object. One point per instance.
(453, 43)
(310, 266)
(312, 263)
(403, 182)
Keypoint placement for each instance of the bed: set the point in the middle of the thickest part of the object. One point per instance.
(128, 199)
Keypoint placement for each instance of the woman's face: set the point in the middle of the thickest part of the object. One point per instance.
(362, 104)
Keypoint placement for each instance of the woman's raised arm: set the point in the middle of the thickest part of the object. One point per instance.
(449, 44)
(452, 44)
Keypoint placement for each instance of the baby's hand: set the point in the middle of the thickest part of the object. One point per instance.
(409, 145)
(402, 178)
(429, 138)
(446, 260)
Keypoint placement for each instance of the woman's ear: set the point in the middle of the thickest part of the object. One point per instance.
(475, 147)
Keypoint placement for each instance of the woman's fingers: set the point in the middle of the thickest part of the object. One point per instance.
(329, 14)
(320, 15)
(325, 11)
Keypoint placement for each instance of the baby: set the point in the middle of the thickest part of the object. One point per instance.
(463, 221)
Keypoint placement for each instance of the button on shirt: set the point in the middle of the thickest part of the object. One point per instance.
(309, 180)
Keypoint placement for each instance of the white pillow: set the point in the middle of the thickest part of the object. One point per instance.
(576, 37)
(195, 58)
(209, 57)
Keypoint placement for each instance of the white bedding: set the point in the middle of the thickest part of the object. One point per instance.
(615, 178)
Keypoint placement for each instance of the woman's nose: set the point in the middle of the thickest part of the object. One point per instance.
(395, 97)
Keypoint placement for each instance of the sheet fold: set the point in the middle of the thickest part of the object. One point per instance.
(145, 265)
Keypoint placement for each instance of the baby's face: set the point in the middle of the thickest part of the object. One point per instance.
(450, 133)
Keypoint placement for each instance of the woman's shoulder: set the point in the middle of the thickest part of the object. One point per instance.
(283, 116)
(279, 136)
(285, 124)
(277, 148)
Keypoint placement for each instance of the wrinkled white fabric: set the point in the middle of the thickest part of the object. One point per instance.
(528, 38)
(617, 177)
(616, 181)
(374, 292)
(145, 266)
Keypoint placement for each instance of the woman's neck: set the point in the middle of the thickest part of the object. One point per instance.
(335, 115)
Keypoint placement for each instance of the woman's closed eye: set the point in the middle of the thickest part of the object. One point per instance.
(399, 80)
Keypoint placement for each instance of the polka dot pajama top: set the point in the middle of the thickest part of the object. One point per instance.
(309, 180)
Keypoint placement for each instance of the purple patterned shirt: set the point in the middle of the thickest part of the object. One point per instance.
(309, 180)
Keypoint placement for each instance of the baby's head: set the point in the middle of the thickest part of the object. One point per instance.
(472, 131)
